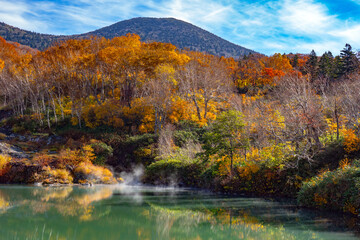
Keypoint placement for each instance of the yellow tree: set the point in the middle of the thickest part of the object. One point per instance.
(203, 80)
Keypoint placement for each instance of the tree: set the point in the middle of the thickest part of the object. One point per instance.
(337, 70)
(295, 61)
(248, 73)
(312, 66)
(349, 60)
(303, 115)
(158, 93)
(326, 65)
(205, 79)
(348, 92)
(2, 64)
(227, 135)
(274, 67)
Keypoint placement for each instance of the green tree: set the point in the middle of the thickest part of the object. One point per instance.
(295, 61)
(337, 70)
(312, 65)
(349, 59)
(226, 135)
(326, 65)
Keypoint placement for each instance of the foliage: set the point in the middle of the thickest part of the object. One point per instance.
(23, 124)
(262, 172)
(4, 160)
(130, 150)
(351, 141)
(102, 151)
(256, 72)
(312, 65)
(86, 172)
(226, 135)
(71, 158)
(182, 137)
(336, 190)
(51, 176)
(349, 60)
(173, 172)
(3, 136)
(180, 166)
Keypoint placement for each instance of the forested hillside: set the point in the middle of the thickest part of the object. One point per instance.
(34, 40)
(167, 30)
(283, 125)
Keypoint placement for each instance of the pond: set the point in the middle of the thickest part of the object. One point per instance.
(139, 212)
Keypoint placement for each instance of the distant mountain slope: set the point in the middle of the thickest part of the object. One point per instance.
(170, 30)
(180, 33)
(35, 40)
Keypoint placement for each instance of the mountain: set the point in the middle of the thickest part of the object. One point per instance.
(34, 40)
(181, 34)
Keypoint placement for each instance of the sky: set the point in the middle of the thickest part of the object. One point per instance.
(266, 26)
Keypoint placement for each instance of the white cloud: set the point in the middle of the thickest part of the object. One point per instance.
(305, 16)
(350, 35)
(321, 47)
(13, 13)
(211, 15)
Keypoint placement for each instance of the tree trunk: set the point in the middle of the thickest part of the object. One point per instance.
(197, 107)
(337, 121)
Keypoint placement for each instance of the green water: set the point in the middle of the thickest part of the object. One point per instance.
(119, 212)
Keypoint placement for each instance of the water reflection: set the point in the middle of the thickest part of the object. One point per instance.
(4, 203)
(123, 212)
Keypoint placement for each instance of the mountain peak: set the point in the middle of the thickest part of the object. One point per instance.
(182, 34)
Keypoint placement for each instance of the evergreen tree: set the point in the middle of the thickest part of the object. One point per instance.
(349, 60)
(326, 65)
(294, 61)
(337, 69)
(312, 65)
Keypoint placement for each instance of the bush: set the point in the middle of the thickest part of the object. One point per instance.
(2, 136)
(4, 160)
(21, 171)
(86, 172)
(43, 159)
(50, 176)
(102, 152)
(23, 124)
(71, 158)
(73, 166)
(335, 190)
(249, 176)
(329, 157)
(174, 171)
(182, 137)
(132, 150)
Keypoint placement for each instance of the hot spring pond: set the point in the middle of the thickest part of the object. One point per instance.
(120, 212)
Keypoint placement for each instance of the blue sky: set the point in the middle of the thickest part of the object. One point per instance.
(266, 26)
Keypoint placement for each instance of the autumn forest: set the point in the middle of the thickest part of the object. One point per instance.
(83, 111)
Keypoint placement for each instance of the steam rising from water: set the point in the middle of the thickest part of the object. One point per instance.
(134, 189)
(134, 177)
(132, 180)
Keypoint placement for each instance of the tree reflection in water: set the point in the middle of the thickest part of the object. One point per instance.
(4, 202)
(120, 212)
